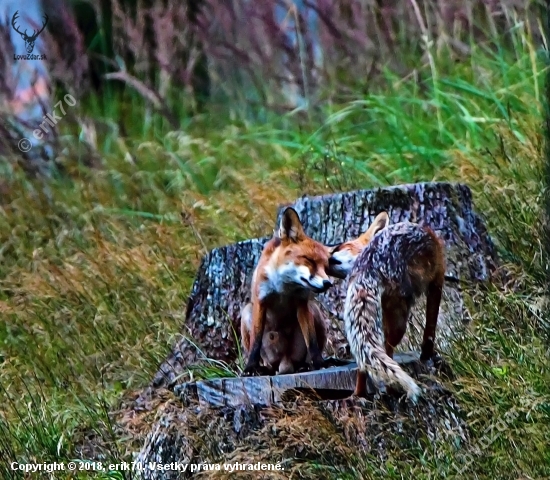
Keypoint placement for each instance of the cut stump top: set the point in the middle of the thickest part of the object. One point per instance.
(326, 384)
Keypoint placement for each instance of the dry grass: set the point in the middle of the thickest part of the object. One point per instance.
(309, 439)
(95, 269)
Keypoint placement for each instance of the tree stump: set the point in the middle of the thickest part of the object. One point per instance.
(331, 383)
(301, 433)
(222, 285)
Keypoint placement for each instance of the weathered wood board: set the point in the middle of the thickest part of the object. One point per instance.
(324, 384)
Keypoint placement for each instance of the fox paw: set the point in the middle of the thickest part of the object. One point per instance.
(303, 367)
(427, 350)
(318, 362)
(317, 366)
(257, 371)
(334, 362)
(355, 400)
(437, 360)
(434, 361)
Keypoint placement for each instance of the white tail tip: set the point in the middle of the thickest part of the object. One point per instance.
(414, 393)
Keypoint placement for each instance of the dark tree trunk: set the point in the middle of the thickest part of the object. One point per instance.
(200, 80)
(222, 284)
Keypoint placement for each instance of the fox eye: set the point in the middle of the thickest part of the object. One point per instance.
(309, 261)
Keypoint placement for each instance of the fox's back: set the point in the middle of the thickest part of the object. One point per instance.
(402, 258)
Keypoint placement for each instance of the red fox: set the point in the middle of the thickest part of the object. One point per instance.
(291, 269)
(283, 351)
(388, 268)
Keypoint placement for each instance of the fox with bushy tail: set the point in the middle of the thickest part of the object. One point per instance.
(388, 268)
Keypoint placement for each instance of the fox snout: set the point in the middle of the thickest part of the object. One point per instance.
(326, 285)
(338, 268)
(319, 285)
(334, 261)
(341, 260)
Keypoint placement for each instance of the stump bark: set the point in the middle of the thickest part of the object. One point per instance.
(302, 433)
(222, 284)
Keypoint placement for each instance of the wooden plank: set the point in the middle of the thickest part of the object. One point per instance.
(329, 383)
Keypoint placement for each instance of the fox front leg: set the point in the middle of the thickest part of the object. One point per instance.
(258, 325)
(307, 326)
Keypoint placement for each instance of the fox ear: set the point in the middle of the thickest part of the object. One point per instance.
(381, 221)
(290, 227)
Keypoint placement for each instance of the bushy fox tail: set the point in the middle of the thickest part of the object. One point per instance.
(363, 327)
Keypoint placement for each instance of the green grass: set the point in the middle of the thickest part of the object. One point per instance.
(94, 280)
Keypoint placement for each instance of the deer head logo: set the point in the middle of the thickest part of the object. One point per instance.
(29, 40)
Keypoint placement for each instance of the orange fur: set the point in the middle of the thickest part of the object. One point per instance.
(387, 273)
(291, 269)
(283, 351)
